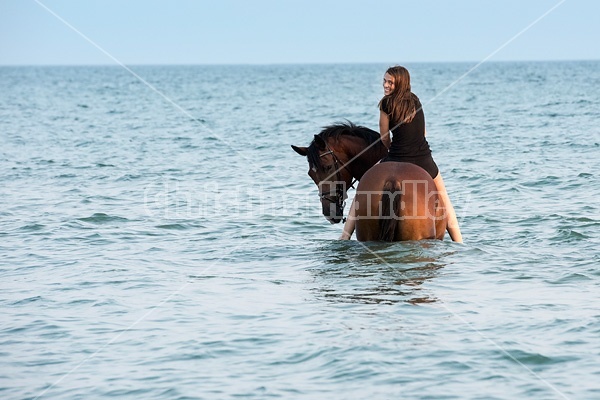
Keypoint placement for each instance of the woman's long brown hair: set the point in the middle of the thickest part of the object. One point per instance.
(402, 103)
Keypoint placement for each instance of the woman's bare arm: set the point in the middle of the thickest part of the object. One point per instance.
(384, 129)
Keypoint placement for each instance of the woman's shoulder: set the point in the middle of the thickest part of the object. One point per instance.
(384, 104)
(417, 101)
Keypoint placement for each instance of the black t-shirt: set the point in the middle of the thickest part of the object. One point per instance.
(408, 140)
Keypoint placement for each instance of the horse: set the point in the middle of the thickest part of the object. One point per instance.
(395, 201)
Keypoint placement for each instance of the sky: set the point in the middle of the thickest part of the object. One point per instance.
(134, 32)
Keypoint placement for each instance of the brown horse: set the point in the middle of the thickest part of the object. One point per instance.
(394, 201)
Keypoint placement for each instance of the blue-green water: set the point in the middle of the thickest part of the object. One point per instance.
(167, 243)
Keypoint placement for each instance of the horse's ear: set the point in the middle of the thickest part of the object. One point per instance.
(303, 151)
(320, 142)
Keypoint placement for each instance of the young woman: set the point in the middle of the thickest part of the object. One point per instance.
(401, 113)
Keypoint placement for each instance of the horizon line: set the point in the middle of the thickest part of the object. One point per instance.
(266, 64)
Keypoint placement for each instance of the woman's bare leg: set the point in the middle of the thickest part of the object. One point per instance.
(350, 223)
(453, 228)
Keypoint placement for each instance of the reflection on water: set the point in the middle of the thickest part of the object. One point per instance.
(382, 273)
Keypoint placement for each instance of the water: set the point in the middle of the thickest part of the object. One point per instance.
(167, 242)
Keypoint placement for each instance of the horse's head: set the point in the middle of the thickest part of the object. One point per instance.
(328, 169)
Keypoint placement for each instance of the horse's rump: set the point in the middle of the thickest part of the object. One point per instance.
(397, 201)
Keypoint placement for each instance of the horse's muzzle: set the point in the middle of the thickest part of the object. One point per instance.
(334, 220)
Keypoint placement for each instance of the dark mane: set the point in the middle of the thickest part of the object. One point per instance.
(335, 131)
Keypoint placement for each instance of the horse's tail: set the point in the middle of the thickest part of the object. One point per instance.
(390, 213)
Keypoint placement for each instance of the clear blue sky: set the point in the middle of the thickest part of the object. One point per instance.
(294, 31)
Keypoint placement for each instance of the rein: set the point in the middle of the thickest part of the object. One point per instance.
(337, 196)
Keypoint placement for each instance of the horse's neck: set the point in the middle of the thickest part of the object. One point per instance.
(364, 158)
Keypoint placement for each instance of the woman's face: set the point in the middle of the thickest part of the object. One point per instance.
(388, 84)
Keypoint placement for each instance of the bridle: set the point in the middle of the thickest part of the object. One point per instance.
(337, 196)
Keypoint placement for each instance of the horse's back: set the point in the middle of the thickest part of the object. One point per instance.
(397, 201)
